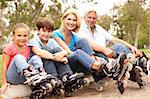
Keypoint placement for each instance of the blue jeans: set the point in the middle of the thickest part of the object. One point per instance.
(79, 56)
(14, 72)
(84, 45)
(119, 48)
(56, 69)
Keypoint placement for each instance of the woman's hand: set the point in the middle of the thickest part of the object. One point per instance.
(4, 87)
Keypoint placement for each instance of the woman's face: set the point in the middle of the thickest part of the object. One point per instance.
(70, 22)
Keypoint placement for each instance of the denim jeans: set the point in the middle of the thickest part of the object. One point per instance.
(119, 48)
(56, 69)
(79, 56)
(14, 72)
(84, 45)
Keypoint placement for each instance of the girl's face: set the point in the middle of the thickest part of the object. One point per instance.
(44, 34)
(70, 22)
(21, 36)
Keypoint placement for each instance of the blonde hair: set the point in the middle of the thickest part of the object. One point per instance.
(74, 12)
(20, 25)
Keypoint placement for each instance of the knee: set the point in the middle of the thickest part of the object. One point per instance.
(57, 49)
(82, 41)
(19, 57)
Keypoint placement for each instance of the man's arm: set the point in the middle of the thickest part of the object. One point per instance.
(133, 49)
(96, 47)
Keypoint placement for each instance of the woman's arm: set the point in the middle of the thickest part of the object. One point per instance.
(62, 44)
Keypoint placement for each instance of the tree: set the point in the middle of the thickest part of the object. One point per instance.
(133, 20)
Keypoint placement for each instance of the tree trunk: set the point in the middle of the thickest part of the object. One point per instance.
(137, 35)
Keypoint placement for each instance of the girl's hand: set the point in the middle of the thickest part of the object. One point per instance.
(4, 87)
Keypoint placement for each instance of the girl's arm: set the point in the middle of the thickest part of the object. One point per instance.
(5, 84)
(62, 44)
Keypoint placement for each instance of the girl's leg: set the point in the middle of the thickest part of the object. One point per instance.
(15, 69)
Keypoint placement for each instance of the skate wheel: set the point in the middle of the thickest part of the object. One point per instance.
(86, 81)
(78, 86)
(62, 92)
(100, 88)
(53, 82)
(50, 88)
(67, 94)
(81, 87)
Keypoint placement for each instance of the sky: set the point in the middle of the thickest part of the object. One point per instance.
(104, 6)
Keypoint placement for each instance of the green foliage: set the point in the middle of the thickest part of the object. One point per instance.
(105, 21)
(133, 22)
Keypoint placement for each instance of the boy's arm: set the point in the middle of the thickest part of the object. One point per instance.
(42, 53)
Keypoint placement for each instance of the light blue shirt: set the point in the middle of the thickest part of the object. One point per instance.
(37, 42)
(100, 35)
(73, 41)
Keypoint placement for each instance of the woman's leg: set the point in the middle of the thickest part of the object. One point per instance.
(84, 45)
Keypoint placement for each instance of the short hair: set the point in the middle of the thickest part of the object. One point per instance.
(74, 12)
(91, 9)
(45, 23)
(20, 25)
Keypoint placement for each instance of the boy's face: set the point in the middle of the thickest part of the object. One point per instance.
(44, 34)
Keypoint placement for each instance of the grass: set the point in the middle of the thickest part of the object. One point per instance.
(147, 51)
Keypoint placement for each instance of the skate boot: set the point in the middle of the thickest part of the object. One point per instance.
(37, 82)
(136, 76)
(120, 67)
(74, 82)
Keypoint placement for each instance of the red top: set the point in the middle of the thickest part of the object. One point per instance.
(11, 50)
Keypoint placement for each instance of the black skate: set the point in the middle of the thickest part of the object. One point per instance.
(40, 82)
(120, 67)
(74, 82)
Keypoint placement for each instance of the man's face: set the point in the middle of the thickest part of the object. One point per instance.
(90, 19)
(44, 34)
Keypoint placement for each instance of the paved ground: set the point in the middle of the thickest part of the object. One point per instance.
(111, 92)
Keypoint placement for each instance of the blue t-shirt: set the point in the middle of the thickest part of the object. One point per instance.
(73, 41)
(37, 42)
